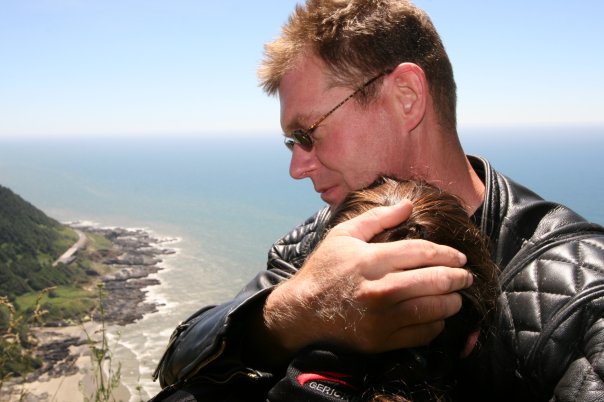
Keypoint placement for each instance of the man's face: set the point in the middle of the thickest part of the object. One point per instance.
(353, 146)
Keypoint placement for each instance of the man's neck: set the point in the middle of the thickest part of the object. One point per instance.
(451, 171)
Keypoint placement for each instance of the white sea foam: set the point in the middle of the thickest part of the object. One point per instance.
(139, 345)
(82, 224)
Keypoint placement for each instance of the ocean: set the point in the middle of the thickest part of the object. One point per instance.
(227, 198)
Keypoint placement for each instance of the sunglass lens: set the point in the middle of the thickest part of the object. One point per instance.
(289, 143)
(304, 140)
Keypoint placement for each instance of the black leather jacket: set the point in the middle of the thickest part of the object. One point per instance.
(549, 340)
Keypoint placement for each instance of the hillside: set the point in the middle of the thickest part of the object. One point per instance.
(105, 282)
(29, 243)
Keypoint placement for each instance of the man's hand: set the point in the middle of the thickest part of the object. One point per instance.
(371, 297)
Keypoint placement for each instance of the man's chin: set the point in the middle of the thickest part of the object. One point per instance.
(333, 197)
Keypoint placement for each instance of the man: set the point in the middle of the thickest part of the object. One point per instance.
(422, 373)
(366, 89)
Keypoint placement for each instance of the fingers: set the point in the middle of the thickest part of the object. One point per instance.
(403, 254)
(397, 287)
(411, 336)
(408, 308)
(379, 296)
(374, 221)
(428, 309)
(429, 314)
(412, 323)
(409, 254)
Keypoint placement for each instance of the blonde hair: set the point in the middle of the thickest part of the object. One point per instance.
(358, 39)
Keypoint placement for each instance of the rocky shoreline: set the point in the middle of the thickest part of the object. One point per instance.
(139, 255)
(135, 254)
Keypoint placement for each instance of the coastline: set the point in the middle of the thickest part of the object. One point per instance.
(67, 372)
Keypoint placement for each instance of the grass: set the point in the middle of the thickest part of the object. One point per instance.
(14, 357)
(67, 238)
(99, 242)
(106, 375)
(73, 303)
(63, 302)
(77, 299)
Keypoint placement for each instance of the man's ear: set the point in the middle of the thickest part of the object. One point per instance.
(410, 93)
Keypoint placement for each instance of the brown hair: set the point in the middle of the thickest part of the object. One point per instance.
(429, 373)
(358, 39)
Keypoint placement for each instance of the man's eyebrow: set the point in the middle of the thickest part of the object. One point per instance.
(299, 121)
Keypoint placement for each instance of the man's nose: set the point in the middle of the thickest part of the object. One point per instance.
(302, 162)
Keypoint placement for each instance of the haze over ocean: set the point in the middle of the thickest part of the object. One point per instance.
(228, 198)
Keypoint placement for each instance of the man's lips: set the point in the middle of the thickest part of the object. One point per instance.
(326, 193)
(323, 189)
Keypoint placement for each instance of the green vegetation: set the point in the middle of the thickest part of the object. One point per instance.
(64, 303)
(30, 286)
(106, 375)
(16, 355)
(101, 244)
(29, 243)
(67, 236)
(32, 290)
(16, 341)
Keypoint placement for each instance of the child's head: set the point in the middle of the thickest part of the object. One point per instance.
(440, 218)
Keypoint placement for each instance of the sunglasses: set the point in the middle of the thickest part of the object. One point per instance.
(303, 138)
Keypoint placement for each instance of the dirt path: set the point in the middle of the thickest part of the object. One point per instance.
(66, 257)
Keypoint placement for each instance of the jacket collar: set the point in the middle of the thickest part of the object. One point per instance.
(491, 202)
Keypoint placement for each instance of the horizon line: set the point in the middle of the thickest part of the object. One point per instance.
(462, 130)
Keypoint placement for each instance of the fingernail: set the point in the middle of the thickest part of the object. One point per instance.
(462, 259)
(470, 280)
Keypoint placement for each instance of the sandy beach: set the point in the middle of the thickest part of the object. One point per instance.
(71, 379)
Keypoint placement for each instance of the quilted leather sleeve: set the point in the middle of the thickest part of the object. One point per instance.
(552, 309)
(582, 381)
(206, 345)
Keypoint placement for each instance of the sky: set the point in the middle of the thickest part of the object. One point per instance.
(90, 68)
